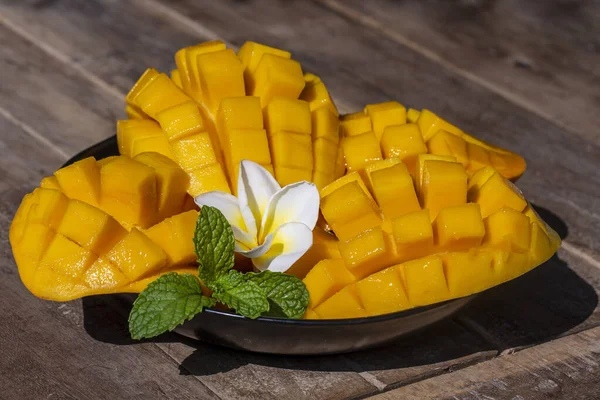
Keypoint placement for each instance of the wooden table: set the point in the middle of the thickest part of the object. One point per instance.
(523, 75)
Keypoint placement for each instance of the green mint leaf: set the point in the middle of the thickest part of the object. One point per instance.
(244, 296)
(286, 291)
(167, 302)
(214, 245)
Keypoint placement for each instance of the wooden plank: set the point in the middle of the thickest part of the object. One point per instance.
(567, 368)
(556, 299)
(542, 55)
(444, 347)
(44, 350)
(49, 101)
(236, 375)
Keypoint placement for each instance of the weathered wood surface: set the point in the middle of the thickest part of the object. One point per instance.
(566, 368)
(65, 68)
(541, 54)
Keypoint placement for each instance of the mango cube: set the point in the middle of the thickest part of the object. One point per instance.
(32, 246)
(250, 55)
(287, 175)
(148, 76)
(207, 179)
(468, 272)
(444, 143)
(325, 125)
(90, 228)
(156, 144)
(324, 156)
(194, 151)
(171, 183)
(382, 292)
(386, 114)
(129, 131)
(412, 115)
(413, 235)
(361, 150)
(66, 257)
(444, 185)
(181, 120)
(355, 125)
(343, 304)
(81, 180)
(478, 156)
(185, 59)
(238, 113)
(498, 192)
(368, 252)
(316, 94)
(50, 182)
(430, 124)
(322, 179)
(403, 141)
(276, 76)
(508, 265)
(48, 208)
(459, 227)
(174, 236)
(393, 188)
(158, 95)
(325, 279)
(540, 247)
(221, 75)
(245, 144)
(136, 255)
(292, 150)
(477, 180)
(325, 246)
(103, 275)
(349, 209)
(424, 280)
(419, 166)
(286, 114)
(508, 227)
(129, 192)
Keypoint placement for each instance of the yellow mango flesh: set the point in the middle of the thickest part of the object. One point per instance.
(66, 248)
(218, 108)
(481, 233)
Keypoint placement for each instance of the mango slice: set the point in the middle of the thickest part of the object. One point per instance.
(463, 235)
(410, 197)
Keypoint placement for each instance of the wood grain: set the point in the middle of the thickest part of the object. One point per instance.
(566, 368)
(50, 101)
(542, 55)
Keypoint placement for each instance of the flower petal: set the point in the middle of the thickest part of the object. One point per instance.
(256, 185)
(289, 242)
(257, 251)
(229, 207)
(297, 202)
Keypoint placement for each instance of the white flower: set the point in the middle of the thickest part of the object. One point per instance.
(272, 225)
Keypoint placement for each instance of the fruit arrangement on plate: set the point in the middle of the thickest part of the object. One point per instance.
(239, 185)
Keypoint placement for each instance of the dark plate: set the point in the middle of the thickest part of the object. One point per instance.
(297, 337)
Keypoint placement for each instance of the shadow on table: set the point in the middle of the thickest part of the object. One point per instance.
(541, 305)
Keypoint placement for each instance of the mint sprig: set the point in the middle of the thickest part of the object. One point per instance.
(214, 244)
(174, 298)
(166, 302)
